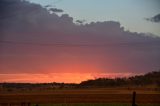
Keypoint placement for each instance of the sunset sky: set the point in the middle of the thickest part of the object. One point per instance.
(75, 40)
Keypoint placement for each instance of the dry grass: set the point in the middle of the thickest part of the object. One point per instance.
(109, 95)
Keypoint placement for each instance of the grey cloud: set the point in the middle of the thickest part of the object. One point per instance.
(80, 21)
(56, 10)
(105, 45)
(155, 19)
(47, 6)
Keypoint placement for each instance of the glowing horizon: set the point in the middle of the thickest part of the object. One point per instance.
(58, 77)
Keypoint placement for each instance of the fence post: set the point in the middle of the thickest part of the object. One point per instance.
(29, 104)
(134, 99)
(22, 104)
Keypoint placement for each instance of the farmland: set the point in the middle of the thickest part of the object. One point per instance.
(95, 96)
(96, 92)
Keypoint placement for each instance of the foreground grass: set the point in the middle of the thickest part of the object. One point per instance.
(97, 104)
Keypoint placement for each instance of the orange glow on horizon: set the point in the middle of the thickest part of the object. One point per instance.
(73, 66)
(57, 77)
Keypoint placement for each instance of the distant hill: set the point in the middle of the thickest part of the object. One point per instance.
(152, 78)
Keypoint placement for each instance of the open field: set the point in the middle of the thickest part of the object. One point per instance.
(97, 104)
(82, 96)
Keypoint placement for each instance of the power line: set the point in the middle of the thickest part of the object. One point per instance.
(60, 44)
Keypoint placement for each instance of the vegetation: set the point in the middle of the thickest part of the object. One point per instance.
(149, 79)
(98, 92)
(152, 78)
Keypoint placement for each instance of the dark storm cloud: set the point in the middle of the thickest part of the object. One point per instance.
(156, 18)
(56, 10)
(103, 45)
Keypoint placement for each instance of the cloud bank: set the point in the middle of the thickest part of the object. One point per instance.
(33, 40)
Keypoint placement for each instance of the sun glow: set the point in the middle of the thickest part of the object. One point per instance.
(58, 77)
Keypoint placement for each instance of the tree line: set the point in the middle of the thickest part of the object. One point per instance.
(151, 78)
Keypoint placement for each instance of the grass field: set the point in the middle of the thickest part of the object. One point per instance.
(83, 97)
(97, 104)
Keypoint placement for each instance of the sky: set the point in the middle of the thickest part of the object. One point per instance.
(75, 40)
(130, 13)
